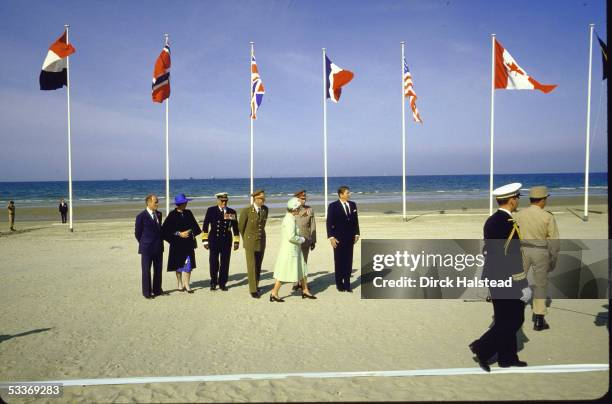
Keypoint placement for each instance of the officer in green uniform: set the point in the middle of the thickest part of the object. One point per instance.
(540, 242)
(252, 227)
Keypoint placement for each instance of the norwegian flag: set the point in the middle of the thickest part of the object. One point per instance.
(257, 88)
(510, 76)
(410, 94)
(161, 76)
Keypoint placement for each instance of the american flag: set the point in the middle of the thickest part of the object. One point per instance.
(410, 94)
(257, 88)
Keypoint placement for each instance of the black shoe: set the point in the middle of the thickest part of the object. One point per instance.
(162, 293)
(340, 289)
(540, 323)
(276, 299)
(223, 288)
(182, 290)
(482, 363)
(349, 290)
(305, 296)
(517, 363)
(213, 286)
(255, 295)
(190, 291)
(149, 297)
(296, 287)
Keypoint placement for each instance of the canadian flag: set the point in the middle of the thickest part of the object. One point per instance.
(510, 76)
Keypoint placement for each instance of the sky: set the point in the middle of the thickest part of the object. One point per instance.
(118, 132)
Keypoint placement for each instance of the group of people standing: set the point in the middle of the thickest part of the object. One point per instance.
(516, 243)
(221, 231)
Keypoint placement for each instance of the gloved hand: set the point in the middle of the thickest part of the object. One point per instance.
(205, 244)
(526, 295)
(301, 240)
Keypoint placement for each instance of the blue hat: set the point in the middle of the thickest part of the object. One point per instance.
(180, 199)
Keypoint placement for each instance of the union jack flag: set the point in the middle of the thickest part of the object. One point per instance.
(410, 94)
(257, 88)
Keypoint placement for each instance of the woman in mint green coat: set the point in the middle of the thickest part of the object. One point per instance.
(290, 265)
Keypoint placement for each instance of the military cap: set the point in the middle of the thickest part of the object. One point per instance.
(300, 194)
(538, 192)
(221, 195)
(508, 191)
(259, 192)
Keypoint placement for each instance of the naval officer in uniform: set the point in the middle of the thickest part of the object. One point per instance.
(540, 242)
(252, 227)
(503, 260)
(222, 221)
(307, 227)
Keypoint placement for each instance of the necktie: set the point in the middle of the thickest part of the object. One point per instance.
(346, 208)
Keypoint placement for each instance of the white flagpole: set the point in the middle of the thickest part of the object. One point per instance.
(251, 119)
(69, 139)
(324, 138)
(167, 149)
(492, 123)
(588, 128)
(403, 140)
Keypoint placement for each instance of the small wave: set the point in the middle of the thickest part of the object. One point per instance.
(567, 188)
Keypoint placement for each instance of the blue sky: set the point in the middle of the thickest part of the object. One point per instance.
(118, 132)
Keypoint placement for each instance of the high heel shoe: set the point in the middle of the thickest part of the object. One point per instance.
(305, 296)
(276, 299)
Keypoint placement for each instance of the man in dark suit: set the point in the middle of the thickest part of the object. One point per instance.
(343, 233)
(222, 221)
(503, 261)
(150, 247)
(63, 209)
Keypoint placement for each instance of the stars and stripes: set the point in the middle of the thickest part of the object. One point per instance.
(510, 76)
(257, 88)
(161, 76)
(335, 79)
(54, 73)
(410, 94)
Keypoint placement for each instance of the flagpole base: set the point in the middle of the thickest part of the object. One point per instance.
(585, 218)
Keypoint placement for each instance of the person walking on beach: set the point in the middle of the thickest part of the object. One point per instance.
(252, 227)
(150, 247)
(343, 233)
(222, 221)
(540, 242)
(63, 210)
(11, 214)
(503, 261)
(290, 264)
(307, 227)
(180, 229)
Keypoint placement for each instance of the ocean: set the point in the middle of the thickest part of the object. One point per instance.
(387, 188)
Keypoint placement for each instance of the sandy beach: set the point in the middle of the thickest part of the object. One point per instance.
(72, 309)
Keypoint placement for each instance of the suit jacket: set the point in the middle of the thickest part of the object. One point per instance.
(148, 233)
(503, 257)
(220, 227)
(63, 207)
(253, 228)
(339, 224)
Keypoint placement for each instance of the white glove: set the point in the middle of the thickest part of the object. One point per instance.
(301, 240)
(526, 294)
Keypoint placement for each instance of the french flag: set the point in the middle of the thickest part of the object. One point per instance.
(54, 69)
(335, 79)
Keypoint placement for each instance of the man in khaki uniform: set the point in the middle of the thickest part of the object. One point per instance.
(540, 244)
(251, 225)
(307, 227)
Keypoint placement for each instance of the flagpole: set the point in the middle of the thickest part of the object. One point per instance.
(588, 128)
(67, 27)
(167, 149)
(492, 123)
(251, 118)
(324, 138)
(403, 140)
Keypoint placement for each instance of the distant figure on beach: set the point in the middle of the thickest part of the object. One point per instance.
(11, 214)
(343, 233)
(180, 229)
(150, 247)
(63, 210)
(503, 261)
(252, 227)
(540, 242)
(222, 221)
(307, 227)
(290, 264)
